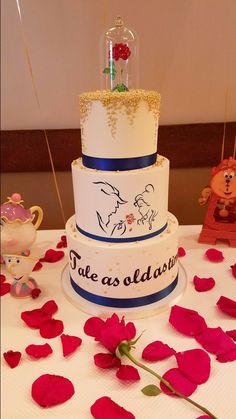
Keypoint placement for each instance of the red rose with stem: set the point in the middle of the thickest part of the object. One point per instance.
(119, 51)
(119, 338)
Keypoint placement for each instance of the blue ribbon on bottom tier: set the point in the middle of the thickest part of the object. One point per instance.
(124, 302)
(121, 164)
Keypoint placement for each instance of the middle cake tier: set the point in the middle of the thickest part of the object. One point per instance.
(121, 206)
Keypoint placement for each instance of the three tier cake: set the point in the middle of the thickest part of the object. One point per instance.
(122, 241)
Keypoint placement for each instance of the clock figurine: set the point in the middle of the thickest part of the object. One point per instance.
(220, 219)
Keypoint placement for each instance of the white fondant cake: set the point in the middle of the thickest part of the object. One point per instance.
(123, 274)
(119, 124)
(122, 241)
(121, 205)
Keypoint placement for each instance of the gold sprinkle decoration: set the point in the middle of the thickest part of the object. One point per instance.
(114, 102)
(160, 161)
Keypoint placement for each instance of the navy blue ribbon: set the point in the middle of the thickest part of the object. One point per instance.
(130, 163)
(121, 239)
(124, 302)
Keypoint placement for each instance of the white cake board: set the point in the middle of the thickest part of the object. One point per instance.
(129, 313)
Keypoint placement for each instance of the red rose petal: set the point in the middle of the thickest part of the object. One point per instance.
(227, 305)
(215, 340)
(35, 293)
(105, 361)
(52, 256)
(186, 321)
(50, 390)
(4, 288)
(130, 330)
(231, 333)
(203, 284)
(70, 344)
(105, 408)
(50, 307)
(51, 328)
(62, 242)
(179, 382)
(35, 318)
(156, 351)
(181, 252)
(2, 278)
(93, 326)
(194, 364)
(227, 357)
(128, 373)
(204, 417)
(233, 267)
(214, 255)
(12, 358)
(38, 351)
(38, 266)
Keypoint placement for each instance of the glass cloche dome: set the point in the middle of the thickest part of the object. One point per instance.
(120, 58)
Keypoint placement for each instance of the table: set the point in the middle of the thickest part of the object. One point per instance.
(90, 383)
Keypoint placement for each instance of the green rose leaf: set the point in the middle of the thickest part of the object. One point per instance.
(151, 390)
(120, 87)
(106, 70)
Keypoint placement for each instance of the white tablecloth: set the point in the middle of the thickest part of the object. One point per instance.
(218, 394)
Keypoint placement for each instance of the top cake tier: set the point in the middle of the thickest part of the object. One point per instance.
(119, 129)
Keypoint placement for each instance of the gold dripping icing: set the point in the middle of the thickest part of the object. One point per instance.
(115, 102)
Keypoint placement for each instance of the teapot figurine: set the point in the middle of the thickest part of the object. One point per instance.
(18, 226)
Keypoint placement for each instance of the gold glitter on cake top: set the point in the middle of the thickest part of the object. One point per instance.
(119, 101)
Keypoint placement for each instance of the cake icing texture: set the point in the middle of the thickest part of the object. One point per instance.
(122, 241)
(119, 124)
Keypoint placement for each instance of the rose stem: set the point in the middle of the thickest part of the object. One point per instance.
(124, 350)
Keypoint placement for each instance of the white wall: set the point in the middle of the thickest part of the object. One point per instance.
(187, 52)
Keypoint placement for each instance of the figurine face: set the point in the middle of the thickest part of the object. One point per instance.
(19, 266)
(16, 237)
(224, 184)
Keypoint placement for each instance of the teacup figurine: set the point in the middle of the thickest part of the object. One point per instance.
(20, 268)
(18, 226)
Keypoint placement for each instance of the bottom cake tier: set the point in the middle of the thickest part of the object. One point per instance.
(123, 275)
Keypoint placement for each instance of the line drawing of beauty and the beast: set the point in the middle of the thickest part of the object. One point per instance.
(144, 203)
(110, 200)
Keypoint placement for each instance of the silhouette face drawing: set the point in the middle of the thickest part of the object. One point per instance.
(111, 200)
